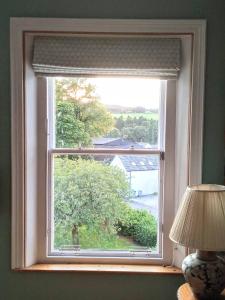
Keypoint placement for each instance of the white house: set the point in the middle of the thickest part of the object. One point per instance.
(142, 172)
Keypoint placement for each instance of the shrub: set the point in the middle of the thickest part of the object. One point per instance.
(140, 225)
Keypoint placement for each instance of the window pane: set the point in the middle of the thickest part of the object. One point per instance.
(105, 202)
(107, 112)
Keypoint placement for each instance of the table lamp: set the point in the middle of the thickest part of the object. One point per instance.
(200, 224)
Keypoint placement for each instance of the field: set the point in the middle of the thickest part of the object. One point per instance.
(147, 115)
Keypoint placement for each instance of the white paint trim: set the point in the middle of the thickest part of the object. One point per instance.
(197, 103)
(42, 165)
(169, 169)
(165, 27)
(196, 27)
(17, 147)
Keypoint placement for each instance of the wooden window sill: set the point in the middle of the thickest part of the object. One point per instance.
(106, 268)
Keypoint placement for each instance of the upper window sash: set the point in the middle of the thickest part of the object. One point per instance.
(51, 120)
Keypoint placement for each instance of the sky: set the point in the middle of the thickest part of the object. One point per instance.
(129, 92)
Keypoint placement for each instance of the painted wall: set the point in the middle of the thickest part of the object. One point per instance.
(145, 182)
(37, 286)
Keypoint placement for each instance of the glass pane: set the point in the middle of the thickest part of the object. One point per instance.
(107, 112)
(105, 202)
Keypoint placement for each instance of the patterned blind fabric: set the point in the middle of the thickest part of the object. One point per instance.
(138, 56)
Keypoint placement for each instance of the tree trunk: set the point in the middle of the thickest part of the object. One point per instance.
(75, 235)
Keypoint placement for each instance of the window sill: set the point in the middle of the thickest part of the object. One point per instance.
(105, 268)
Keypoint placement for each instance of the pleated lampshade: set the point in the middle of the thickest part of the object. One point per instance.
(200, 220)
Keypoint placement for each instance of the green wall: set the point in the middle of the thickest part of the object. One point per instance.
(57, 286)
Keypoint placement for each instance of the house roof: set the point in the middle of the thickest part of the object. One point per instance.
(104, 141)
(130, 162)
(115, 143)
(139, 162)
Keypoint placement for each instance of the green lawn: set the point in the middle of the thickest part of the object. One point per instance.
(90, 239)
(94, 239)
(148, 115)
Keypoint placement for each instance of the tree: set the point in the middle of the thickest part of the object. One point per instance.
(153, 132)
(80, 116)
(114, 133)
(138, 129)
(87, 192)
(119, 122)
(139, 109)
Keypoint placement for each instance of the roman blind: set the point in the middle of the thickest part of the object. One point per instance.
(80, 55)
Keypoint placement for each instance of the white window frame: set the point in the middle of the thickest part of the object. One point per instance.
(26, 212)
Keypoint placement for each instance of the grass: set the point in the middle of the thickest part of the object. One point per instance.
(102, 240)
(93, 239)
(148, 115)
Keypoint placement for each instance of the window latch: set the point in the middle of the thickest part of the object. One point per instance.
(162, 155)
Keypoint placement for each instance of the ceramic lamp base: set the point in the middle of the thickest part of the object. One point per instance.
(205, 272)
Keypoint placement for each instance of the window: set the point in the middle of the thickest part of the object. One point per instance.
(77, 185)
(105, 162)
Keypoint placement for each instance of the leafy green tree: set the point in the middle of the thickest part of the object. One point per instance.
(140, 133)
(127, 133)
(114, 133)
(129, 121)
(152, 132)
(119, 123)
(141, 121)
(136, 134)
(87, 192)
(70, 131)
(80, 116)
(136, 129)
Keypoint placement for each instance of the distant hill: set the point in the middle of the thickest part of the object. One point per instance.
(126, 109)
